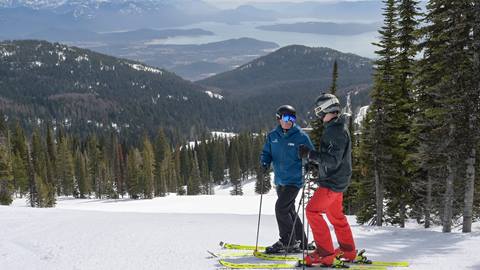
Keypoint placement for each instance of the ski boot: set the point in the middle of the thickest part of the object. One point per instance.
(348, 256)
(361, 258)
(331, 261)
(280, 248)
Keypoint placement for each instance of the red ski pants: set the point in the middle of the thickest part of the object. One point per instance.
(329, 202)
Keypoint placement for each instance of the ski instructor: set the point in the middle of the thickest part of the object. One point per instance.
(334, 160)
(281, 149)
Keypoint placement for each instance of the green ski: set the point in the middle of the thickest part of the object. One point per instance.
(233, 265)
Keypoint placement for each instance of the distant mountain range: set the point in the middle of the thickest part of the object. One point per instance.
(22, 18)
(86, 91)
(194, 62)
(294, 75)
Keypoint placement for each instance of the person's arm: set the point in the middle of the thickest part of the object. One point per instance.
(332, 158)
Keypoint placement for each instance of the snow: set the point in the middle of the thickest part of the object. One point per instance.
(144, 68)
(36, 64)
(5, 53)
(362, 113)
(82, 58)
(214, 95)
(222, 134)
(61, 56)
(174, 232)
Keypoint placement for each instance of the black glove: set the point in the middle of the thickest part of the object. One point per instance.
(303, 151)
(265, 168)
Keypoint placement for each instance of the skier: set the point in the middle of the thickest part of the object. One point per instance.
(281, 149)
(334, 173)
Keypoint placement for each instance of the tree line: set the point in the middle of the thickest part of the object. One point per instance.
(52, 162)
(417, 155)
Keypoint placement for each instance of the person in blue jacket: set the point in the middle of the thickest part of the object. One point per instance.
(281, 150)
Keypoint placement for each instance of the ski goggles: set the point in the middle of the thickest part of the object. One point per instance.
(288, 117)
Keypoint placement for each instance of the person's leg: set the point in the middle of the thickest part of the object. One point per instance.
(342, 229)
(299, 232)
(283, 211)
(319, 203)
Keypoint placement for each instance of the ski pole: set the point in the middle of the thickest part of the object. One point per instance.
(298, 209)
(305, 244)
(259, 212)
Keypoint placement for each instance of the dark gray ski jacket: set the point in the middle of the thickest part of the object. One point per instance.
(334, 157)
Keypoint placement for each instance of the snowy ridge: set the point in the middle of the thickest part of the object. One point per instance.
(145, 68)
(214, 95)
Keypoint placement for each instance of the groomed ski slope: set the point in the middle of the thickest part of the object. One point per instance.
(174, 233)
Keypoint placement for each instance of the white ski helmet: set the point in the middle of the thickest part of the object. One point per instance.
(326, 103)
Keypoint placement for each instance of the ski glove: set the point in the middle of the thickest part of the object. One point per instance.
(303, 151)
(265, 168)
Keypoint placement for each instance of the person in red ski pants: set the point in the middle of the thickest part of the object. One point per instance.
(334, 173)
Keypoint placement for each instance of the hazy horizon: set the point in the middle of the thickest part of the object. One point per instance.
(236, 3)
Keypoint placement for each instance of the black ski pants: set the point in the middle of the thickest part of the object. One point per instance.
(285, 213)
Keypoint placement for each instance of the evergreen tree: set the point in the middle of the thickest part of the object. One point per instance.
(43, 193)
(94, 158)
(81, 175)
(65, 171)
(381, 134)
(52, 176)
(234, 171)
(333, 88)
(6, 178)
(175, 182)
(400, 113)
(443, 80)
(218, 162)
(162, 163)
(261, 179)
(148, 168)
(203, 167)
(20, 160)
(193, 186)
(472, 109)
(134, 173)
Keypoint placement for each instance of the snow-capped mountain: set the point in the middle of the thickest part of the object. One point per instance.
(81, 7)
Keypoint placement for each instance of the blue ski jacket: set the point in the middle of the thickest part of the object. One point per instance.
(281, 149)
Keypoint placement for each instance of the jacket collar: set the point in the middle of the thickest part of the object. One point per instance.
(340, 120)
(294, 129)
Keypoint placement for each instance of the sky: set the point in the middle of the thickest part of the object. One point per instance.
(235, 3)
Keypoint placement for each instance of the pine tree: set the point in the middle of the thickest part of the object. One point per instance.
(261, 178)
(81, 174)
(20, 160)
(94, 158)
(234, 171)
(148, 169)
(6, 177)
(472, 110)
(51, 159)
(65, 170)
(333, 88)
(175, 181)
(162, 166)
(42, 193)
(218, 162)
(193, 186)
(134, 173)
(443, 80)
(203, 167)
(400, 113)
(381, 134)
